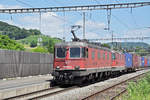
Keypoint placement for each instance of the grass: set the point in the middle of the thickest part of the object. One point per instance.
(139, 90)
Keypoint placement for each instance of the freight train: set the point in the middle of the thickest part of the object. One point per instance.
(80, 61)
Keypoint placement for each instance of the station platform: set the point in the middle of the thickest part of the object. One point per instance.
(19, 86)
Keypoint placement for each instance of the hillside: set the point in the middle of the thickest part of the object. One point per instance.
(32, 39)
(15, 32)
(35, 38)
(46, 42)
(130, 45)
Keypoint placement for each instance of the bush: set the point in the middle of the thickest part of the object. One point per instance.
(33, 44)
(40, 49)
(7, 43)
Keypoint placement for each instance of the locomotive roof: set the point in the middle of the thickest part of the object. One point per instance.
(82, 44)
(71, 44)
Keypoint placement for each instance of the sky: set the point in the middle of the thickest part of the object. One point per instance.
(124, 22)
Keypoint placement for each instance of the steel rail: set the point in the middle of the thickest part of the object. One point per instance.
(41, 93)
(30, 94)
(119, 94)
(75, 8)
(54, 93)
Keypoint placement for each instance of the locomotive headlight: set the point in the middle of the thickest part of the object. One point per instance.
(57, 67)
(77, 67)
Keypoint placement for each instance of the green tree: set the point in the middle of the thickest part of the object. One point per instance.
(105, 45)
(148, 49)
(50, 46)
(33, 44)
(7, 43)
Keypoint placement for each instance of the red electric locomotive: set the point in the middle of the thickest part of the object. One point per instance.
(78, 61)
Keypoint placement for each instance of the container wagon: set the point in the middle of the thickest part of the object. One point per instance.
(135, 61)
(129, 61)
(142, 61)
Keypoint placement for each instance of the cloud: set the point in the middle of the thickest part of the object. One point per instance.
(51, 24)
(55, 26)
(92, 25)
(141, 32)
(138, 32)
(94, 30)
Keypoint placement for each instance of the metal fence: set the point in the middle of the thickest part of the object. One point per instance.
(22, 64)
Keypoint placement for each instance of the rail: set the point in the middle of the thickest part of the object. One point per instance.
(40, 94)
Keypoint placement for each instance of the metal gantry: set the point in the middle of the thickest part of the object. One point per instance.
(76, 8)
(128, 38)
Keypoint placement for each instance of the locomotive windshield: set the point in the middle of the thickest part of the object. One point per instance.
(61, 52)
(75, 52)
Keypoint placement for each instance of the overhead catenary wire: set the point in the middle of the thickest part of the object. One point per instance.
(120, 21)
(132, 16)
(11, 18)
(24, 3)
(117, 1)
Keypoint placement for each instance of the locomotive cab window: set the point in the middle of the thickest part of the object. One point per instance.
(60, 52)
(75, 52)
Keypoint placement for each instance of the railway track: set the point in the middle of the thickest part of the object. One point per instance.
(115, 91)
(41, 94)
(110, 92)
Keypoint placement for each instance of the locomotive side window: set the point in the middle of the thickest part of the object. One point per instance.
(99, 56)
(104, 55)
(108, 55)
(93, 54)
(61, 52)
(120, 56)
(85, 52)
(75, 52)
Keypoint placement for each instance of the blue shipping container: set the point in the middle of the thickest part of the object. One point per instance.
(142, 61)
(148, 62)
(128, 60)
